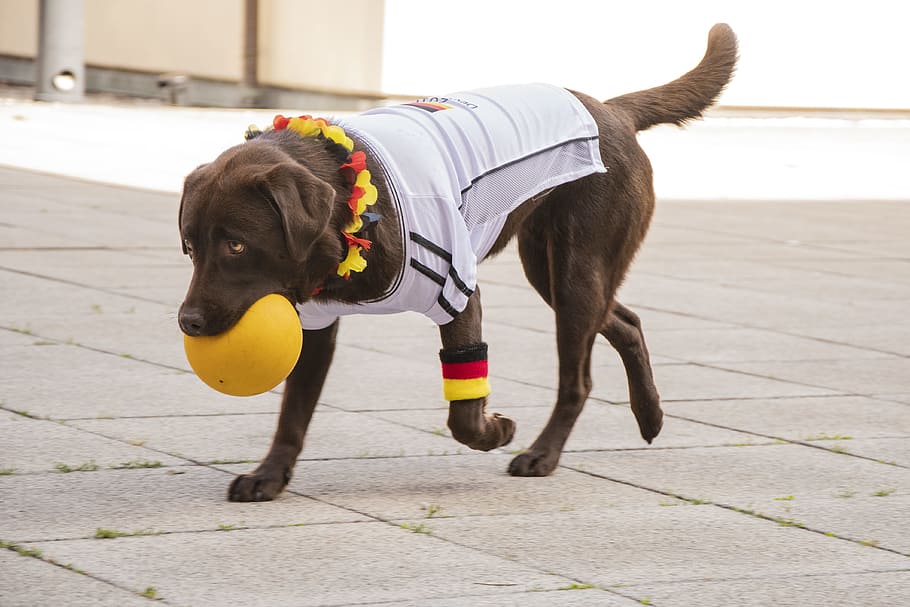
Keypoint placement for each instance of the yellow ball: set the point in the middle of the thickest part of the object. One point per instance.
(254, 355)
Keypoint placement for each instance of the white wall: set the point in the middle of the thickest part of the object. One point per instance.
(806, 53)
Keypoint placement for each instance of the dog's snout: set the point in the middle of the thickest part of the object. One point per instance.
(191, 321)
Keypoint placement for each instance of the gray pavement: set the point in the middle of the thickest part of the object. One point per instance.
(780, 337)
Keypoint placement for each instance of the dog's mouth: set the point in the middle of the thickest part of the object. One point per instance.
(196, 321)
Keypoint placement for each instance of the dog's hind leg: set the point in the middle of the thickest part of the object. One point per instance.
(463, 347)
(623, 331)
(581, 309)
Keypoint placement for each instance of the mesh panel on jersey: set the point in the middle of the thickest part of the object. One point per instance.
(501, 190)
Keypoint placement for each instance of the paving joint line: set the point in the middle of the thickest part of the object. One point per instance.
(743, 325)
(741, 578)
(182, 370)
(444, 539)
(74, 570)
(128, 535)
(472, 596)
(792, 441)
(73, 283)
(87, 247)
(719, 367)
(699, 502)
(75, 344)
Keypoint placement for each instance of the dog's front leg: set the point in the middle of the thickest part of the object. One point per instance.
(464, 359)
(301, 391)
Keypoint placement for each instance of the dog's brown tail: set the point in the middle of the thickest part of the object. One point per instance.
(688, 96)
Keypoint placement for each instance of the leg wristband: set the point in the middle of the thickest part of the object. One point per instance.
(464, 372)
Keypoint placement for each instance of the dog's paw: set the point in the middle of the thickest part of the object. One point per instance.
(534, 462)
(497, 430)
(650, 421)
(260, 486)
(505, 429)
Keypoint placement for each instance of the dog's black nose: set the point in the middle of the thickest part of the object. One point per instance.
(191, 321)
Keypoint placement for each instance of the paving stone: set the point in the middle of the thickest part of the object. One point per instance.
(161, 500)
(719, 269)
(878, 518)
(713, 345)
(583, 597)
(169, 295)
(36, 445)
(88, 384)
(509, 359)
(519, 344)
(332, 434)
(809, 486)
(91, 227)
(892, 271)
(518, 300)
(314, 565)
(887, 248)
(15, 338)
(858, 376)
(846, 590)
(892, 450)
(677, 244)
(803, 418)
(150, 335)
(891, 337)
(19, 237)
(810, 221)
(748, 307)
(112, 323)
(21, 307)
(744, 476)
(424, 489)
(700, 382)
(104, 269)
(27, 582)
(599, 427)
(828, 281)
(635, 546)
(361, 380)
(402, 335)
(787, 320)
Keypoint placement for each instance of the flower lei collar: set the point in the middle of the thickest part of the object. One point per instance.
(363, 192)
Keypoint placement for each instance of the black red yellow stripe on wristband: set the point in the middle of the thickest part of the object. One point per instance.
(464, 372)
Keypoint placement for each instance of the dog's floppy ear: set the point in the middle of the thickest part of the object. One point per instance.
(302, 201)
(180, 223)
(188, 182)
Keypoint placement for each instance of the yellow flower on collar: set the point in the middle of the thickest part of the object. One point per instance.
(352, 263)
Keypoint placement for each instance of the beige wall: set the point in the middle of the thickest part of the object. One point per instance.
(302, 43)
(199, 37)
(316, 43)
(19, 27)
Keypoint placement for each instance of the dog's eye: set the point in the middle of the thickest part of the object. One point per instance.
(236, 247)
(189, 248)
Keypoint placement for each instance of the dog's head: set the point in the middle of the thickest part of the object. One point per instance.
(254, 222)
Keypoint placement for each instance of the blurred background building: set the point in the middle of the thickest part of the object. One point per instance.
(234, 53)
(347, 55)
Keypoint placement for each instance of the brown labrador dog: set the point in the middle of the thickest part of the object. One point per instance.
(265, 217)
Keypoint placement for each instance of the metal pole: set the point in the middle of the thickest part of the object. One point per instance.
(251, 43)
(61, 64)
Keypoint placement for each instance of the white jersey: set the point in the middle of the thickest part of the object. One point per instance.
(456, 166)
